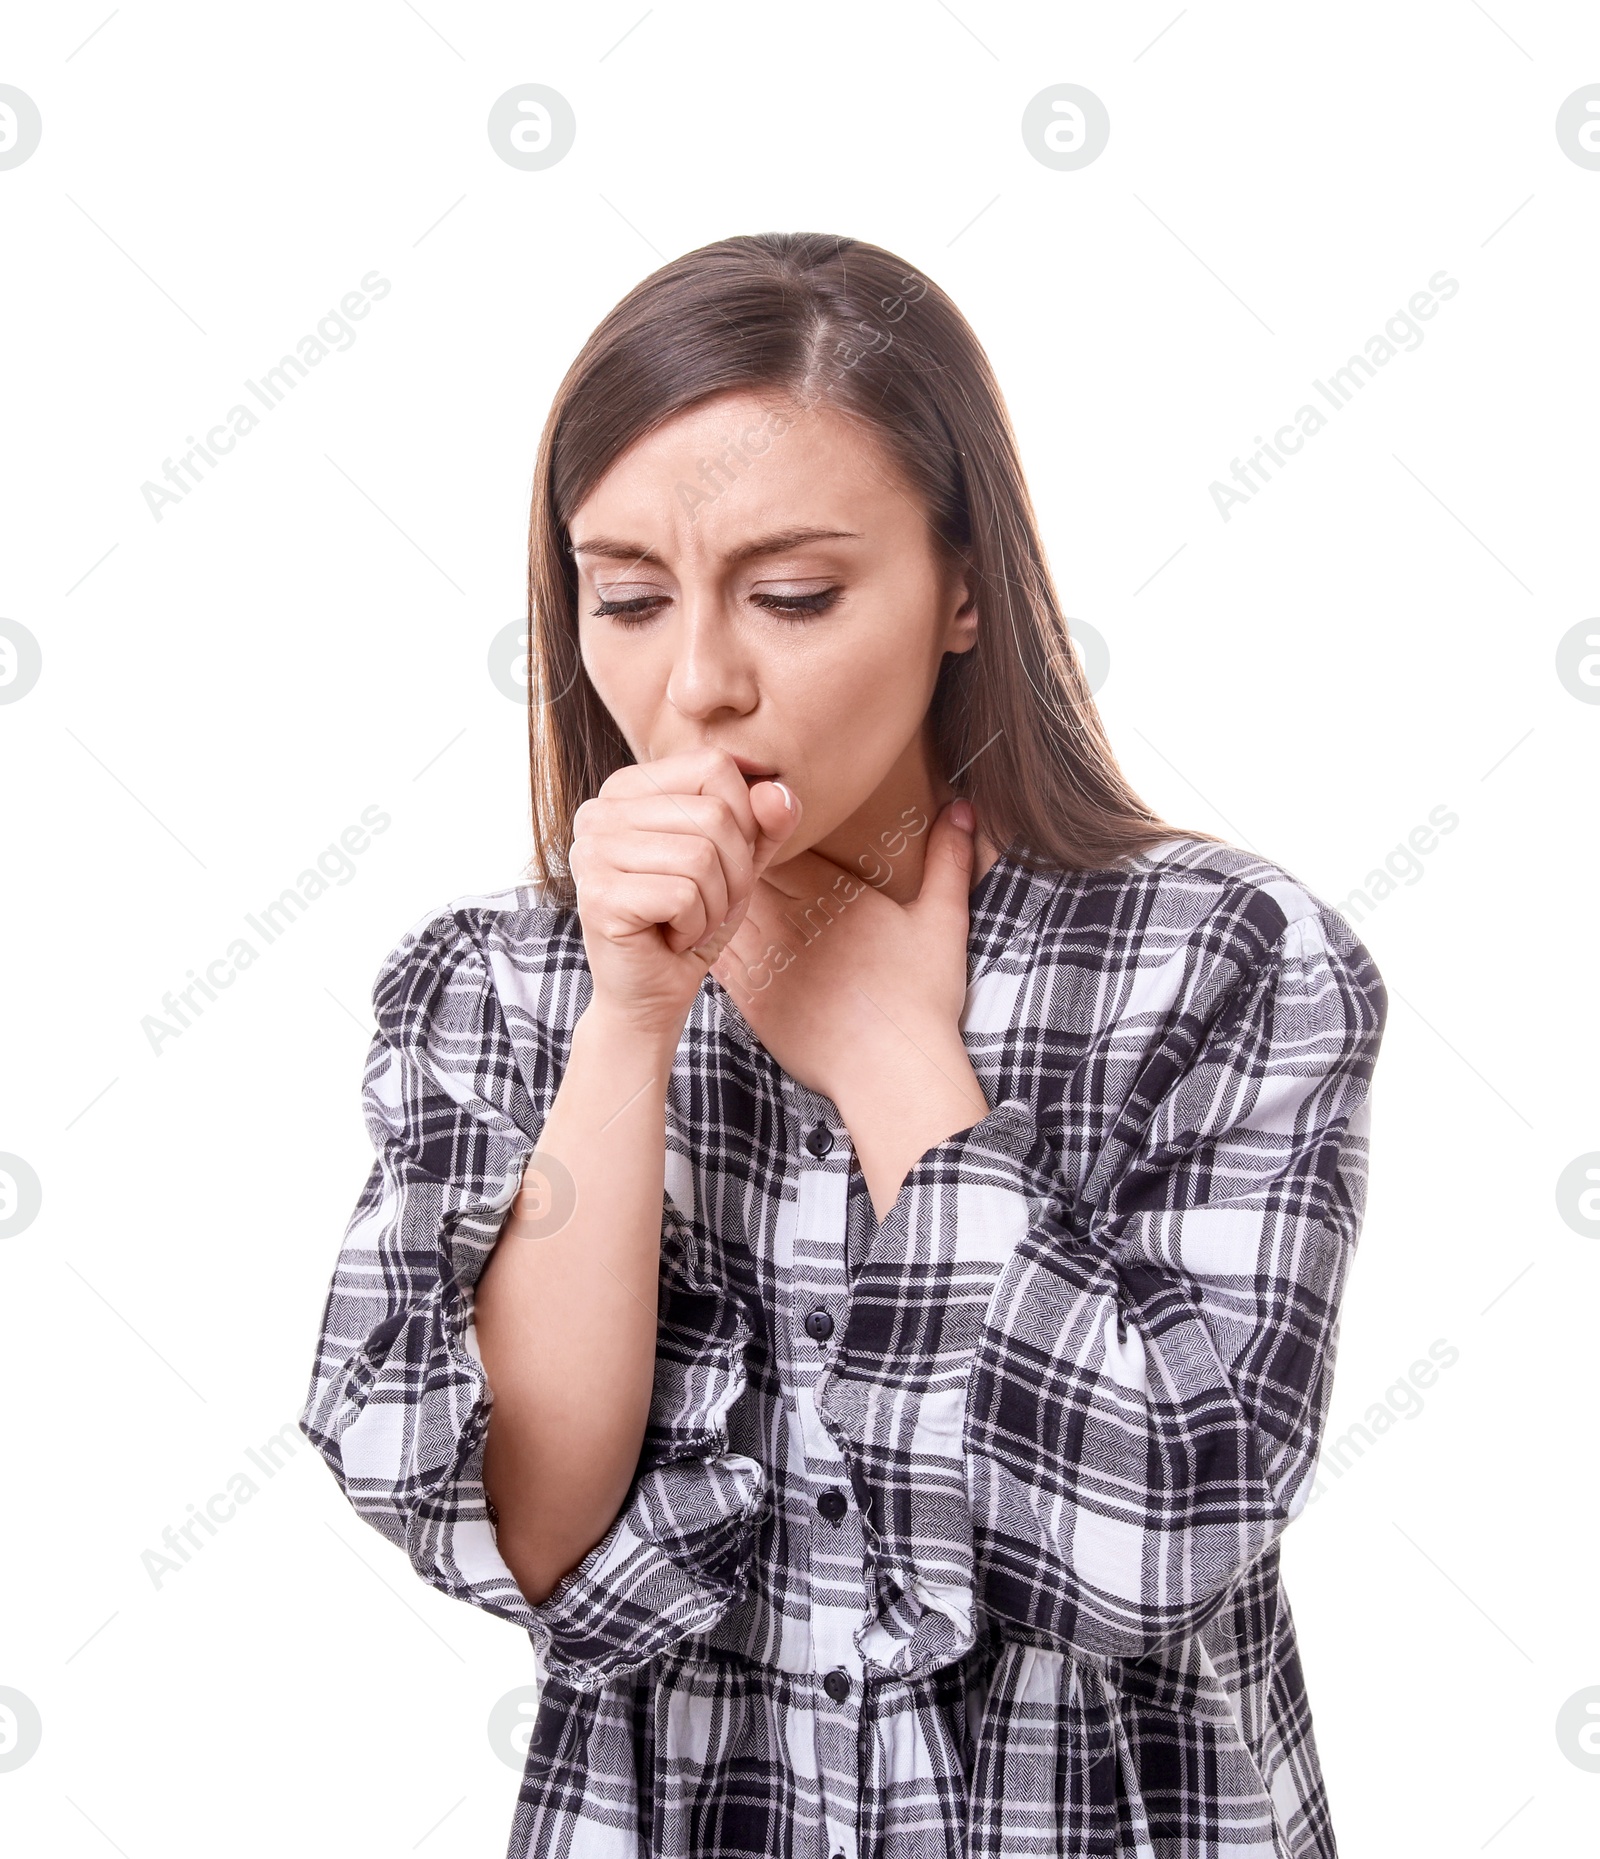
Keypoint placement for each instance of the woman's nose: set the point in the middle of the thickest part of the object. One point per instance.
(710, 669)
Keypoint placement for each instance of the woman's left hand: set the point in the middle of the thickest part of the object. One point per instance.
(867, 1011)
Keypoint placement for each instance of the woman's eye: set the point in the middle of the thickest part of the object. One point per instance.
(628, 612)
(799, 606)
(639, 608)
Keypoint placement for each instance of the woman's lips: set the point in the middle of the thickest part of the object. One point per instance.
(753, 771)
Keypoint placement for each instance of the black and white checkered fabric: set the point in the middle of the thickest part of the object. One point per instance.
(951, 1535)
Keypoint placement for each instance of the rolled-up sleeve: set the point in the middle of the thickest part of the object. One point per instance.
(1091, 1358)
(399, 1399)
(1149, 1391)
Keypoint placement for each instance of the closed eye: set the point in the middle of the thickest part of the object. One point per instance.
(630, 612)
(636, 612)
(799, 605)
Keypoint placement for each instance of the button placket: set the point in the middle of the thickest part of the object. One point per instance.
(818, 1301)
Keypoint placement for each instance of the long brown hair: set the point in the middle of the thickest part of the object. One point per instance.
(812, 316)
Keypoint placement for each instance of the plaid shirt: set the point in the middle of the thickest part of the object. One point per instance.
(951, 1535)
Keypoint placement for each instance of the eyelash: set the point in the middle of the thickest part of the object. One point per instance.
(797, 608)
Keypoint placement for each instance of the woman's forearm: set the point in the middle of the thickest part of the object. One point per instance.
(566, 1320)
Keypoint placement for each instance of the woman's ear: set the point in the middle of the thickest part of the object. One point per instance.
(960, 606)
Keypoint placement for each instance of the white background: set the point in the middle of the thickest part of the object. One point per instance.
(1373, 636)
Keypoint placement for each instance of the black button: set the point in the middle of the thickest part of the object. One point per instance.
(820, 1140)
(833, 1505)
(837, 1684)
(819, 1325)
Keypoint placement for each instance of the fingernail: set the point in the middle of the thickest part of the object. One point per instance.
(961, 812)
(788, 798)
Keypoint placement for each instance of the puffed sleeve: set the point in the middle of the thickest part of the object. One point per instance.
(399, 1400)
(1119, 1402)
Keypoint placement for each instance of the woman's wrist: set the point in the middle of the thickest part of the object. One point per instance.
(627, 1038)
(896, 1112)
(921, 1064)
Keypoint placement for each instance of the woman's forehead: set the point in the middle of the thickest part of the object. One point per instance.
(735, 472)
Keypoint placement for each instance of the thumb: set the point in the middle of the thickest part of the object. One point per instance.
(947, 865)
(777, 812)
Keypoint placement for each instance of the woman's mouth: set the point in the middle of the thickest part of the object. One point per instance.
(753, 771)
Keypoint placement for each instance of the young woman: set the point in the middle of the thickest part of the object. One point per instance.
(853, 1259)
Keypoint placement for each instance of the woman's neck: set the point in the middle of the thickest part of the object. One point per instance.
(877, 843)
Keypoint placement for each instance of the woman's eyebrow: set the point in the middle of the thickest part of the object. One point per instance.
(614, 549)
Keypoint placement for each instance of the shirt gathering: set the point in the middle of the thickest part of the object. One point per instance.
(954, 1534)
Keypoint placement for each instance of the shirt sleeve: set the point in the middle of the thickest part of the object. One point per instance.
(399, 1400)
(1120, 1403)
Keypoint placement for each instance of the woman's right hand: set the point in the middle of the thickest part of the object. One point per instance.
(666, 858)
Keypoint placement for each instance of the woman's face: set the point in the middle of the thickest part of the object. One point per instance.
(759, 578)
